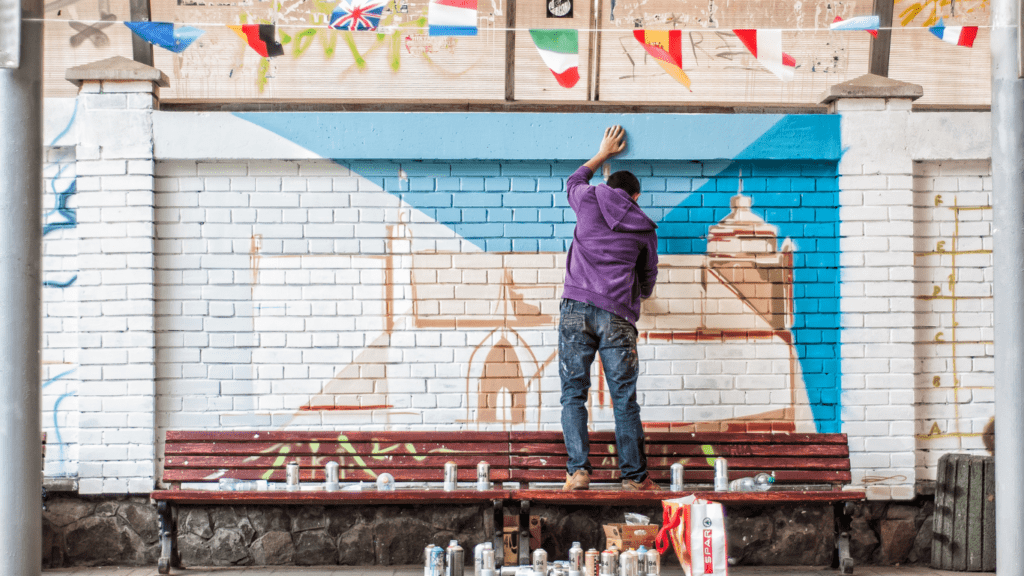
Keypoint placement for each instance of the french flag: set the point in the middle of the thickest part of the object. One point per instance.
(957, 35)
(766, 46)
(869, 24)
(452, 17)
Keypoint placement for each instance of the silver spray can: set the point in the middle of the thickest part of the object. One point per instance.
(540, 561)
(576, 557)
(455, 560)
(653, 562)
(628, 565)
(608, 564)
(641, 560)
(331, 471)
(591, 562)
(721, 475)
(451, 476)
(483, 476)
(478, 556)
(676, 484)
(292, 476)
(487, 562)
(433, 561)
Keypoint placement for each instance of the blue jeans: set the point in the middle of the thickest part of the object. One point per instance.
(585, 330)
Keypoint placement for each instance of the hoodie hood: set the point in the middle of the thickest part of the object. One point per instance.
(620, 212)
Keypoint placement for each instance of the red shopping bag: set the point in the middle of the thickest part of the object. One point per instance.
(696, 530)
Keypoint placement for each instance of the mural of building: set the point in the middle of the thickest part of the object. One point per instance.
(288, 270)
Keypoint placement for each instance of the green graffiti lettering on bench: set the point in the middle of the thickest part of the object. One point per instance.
(708, 451)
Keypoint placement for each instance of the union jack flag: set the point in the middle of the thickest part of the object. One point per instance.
(357, 15)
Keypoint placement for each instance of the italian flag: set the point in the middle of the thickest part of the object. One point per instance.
(560, 50)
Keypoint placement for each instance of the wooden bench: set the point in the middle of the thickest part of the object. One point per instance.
(194, 463)
(809, 468)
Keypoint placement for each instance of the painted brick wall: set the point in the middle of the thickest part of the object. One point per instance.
(206, 284)
(953, 309)
(308, 294)
(61, 312)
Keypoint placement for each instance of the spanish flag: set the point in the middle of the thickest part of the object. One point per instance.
(666, 46)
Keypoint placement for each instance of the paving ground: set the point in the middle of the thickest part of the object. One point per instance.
(418, 571)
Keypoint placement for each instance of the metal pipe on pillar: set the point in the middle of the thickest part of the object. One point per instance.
(21, 191)
(1008, 265)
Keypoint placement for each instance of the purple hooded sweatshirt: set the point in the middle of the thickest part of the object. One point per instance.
(613, 259)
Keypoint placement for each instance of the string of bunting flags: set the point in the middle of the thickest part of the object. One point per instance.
(558, 48)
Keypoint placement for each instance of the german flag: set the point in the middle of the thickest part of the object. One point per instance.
(666, 46)
(261, 38)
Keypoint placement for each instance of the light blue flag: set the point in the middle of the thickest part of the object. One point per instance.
(165, 35)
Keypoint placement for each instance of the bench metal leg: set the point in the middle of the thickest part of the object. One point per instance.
(168, 551)
(497, 532)
(841, 559)
(524, 533)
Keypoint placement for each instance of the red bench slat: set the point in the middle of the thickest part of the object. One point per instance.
(331, 448)
(390, 461)
(779, 463)
(317, 474)
(318, 497)
(691, 477)
(309, 436)
(685, 450)
(693, 437)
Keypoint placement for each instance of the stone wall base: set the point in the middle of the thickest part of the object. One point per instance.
(90, 531)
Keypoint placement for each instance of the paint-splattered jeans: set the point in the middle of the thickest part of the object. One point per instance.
(585, 330)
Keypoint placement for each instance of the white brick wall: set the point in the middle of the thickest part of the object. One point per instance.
(953, 348)
(875, 179)
(60, 314)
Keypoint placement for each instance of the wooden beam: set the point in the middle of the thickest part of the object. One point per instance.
(594, 47)
(142, 51)
(878, 53)
(510, 51)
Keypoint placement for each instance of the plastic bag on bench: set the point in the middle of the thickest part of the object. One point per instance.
(696, 530)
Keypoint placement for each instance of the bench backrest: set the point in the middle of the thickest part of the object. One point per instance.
(796, 459)
(408, 456)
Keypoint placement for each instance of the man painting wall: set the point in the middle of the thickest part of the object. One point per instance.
(611, 267)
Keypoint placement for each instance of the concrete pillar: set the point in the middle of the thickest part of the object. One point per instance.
(116, 231)
(877, 280)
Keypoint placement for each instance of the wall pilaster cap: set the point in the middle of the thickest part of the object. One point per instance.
(872, 86)
(116, 69)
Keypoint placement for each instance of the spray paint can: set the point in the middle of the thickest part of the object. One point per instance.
(653, 562)
(721, 475)
(331, 472)
(576, 557)
(451, 476)
(487, 559)
(641, 560)
(540, 561)
(591, 562)
(483, 476)
(292, 476)
(608, 564)
(478, 557)
(385, 483)
(676, 484)
(628, 564)
(433, 561)
(455, 559)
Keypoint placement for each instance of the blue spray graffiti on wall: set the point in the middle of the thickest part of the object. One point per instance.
(62, 217)
(504, 191)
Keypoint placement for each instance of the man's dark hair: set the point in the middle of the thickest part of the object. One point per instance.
(625, 180)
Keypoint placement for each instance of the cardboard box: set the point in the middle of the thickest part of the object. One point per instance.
(625, 536)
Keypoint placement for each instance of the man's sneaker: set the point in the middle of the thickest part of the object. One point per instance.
(646, 484)
(580, 480)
